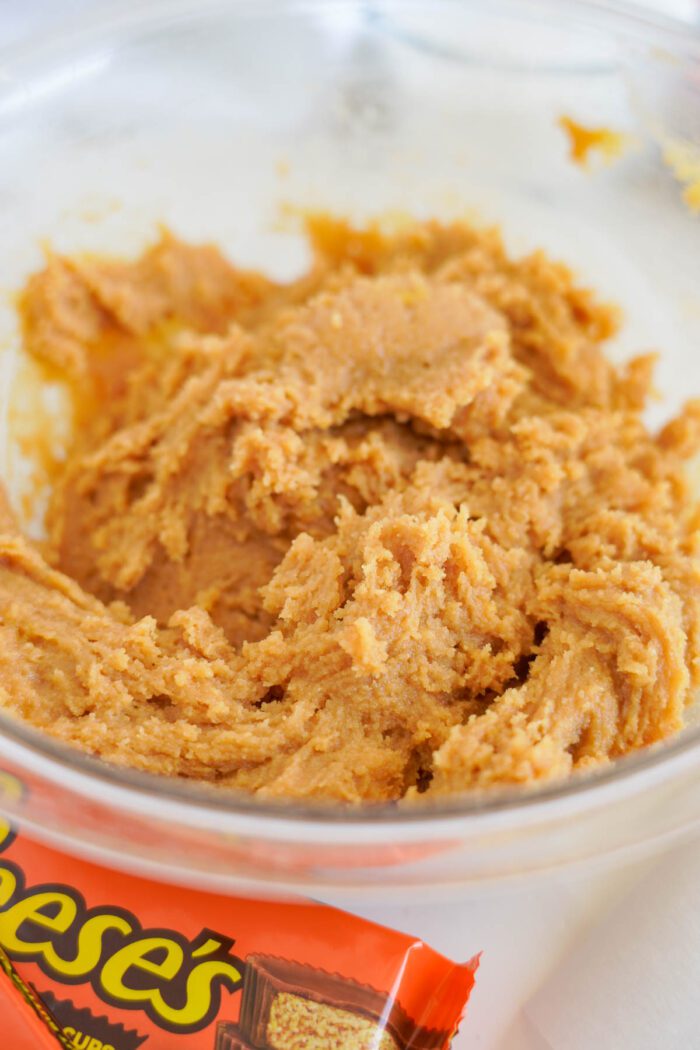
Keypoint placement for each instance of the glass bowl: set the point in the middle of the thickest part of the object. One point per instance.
(224, 120)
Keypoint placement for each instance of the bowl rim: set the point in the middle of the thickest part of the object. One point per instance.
(193, 801)
(202, 804)
(126, 16)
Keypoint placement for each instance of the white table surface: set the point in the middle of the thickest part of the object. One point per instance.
(526, 934)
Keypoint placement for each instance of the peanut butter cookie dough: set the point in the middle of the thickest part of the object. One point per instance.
(397, 528)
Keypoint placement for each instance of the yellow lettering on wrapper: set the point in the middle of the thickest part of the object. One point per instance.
(30, 910)
(135, 956)
(12, 790)
(199, 992)
(198, 985)
(89, 947)
(176, 981)
(8, 885)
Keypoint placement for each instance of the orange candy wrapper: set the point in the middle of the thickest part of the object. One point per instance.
(98, 960)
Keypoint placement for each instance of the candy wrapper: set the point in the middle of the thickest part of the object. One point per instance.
(97, 960)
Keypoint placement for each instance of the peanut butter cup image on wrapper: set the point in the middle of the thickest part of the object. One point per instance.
(228, 1037)
(288, 1006)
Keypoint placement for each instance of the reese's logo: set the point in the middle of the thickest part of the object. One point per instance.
(176, 982)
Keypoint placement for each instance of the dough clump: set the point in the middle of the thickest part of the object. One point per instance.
(396, 530)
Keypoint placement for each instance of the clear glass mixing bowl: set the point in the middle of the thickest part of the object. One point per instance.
(213, 117)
